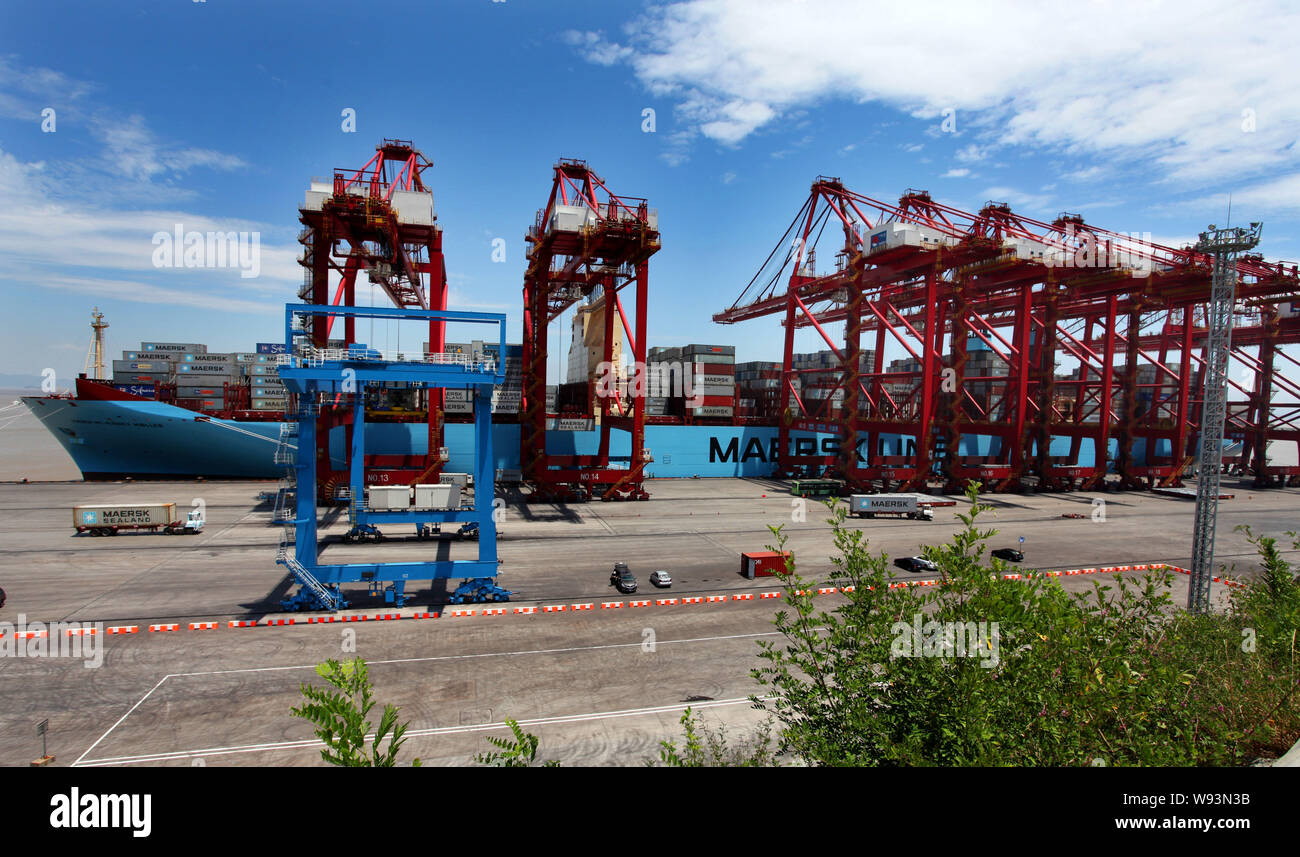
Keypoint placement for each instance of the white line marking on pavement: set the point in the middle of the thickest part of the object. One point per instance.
(120, 719)
(420, 733)
(290, 744)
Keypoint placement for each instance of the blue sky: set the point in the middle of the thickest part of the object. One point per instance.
(216, 114)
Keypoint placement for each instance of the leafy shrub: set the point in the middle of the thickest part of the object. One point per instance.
(340, 717)
(1114, 675)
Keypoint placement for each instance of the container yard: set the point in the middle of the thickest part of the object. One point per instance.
(211, 603)
(452, 483)
(703, 384)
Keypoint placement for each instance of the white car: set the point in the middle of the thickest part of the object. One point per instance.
(661, 579)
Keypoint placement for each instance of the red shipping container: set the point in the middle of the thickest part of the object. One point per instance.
(763, 563)
(714, 369)
(712, 402)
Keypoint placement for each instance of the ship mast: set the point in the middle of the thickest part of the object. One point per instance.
(95, 355)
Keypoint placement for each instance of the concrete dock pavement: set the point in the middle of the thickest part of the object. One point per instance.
(584, 679)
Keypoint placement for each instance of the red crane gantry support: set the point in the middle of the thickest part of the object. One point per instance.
(378, 219)
(934, 279)
(585, 242)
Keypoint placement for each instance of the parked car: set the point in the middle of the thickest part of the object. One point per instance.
(915, 564)
(661, 578)
(2, 598)
(622, 579)
(1010, 554)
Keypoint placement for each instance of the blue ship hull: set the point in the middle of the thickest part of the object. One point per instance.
(142, 439)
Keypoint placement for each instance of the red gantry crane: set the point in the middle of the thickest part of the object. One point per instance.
(586, 242)
(378, 219)
(985, 306)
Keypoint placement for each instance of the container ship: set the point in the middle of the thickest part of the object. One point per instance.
(178, 411)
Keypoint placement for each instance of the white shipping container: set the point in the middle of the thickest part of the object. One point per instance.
(714, 380)
(316, 196)
(124, 515)
(174, 347)
(571, 218)
(882, 503)
(1035, 251)
(141, 377)
(413, 206)
(141, 366)
(570, 424)
(893, 235)
(870, 505)
(388, 497)
(439, 496)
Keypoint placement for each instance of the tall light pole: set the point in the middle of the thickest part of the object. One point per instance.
(1224, 244)
(95, 355)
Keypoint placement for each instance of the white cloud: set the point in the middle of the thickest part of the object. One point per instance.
(1084, 174)
(1275, 196)
(28, 90)
(138, 292)
(1019, 200)
(47, 241)
(956, 173)
(129, 148)
(59, 230)
(593, 47)
(133, 151)
(1144, 81)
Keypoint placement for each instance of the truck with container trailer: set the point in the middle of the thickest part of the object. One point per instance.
(889, 505)
(108, 519)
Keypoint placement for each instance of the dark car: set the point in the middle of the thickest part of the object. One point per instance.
(2, 598)
(915, 564)
(1009, 554)
(622, 578)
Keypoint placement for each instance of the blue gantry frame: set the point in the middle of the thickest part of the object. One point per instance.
(310, 378)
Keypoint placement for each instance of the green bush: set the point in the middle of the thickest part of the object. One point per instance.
(520, 751)
(704, 747)
(1115, 675)
(340, 717)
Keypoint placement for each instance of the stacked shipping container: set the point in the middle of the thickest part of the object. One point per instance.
(202, 380)
(713, 380)
(758, 385)
(506, 398)
(695, 382)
